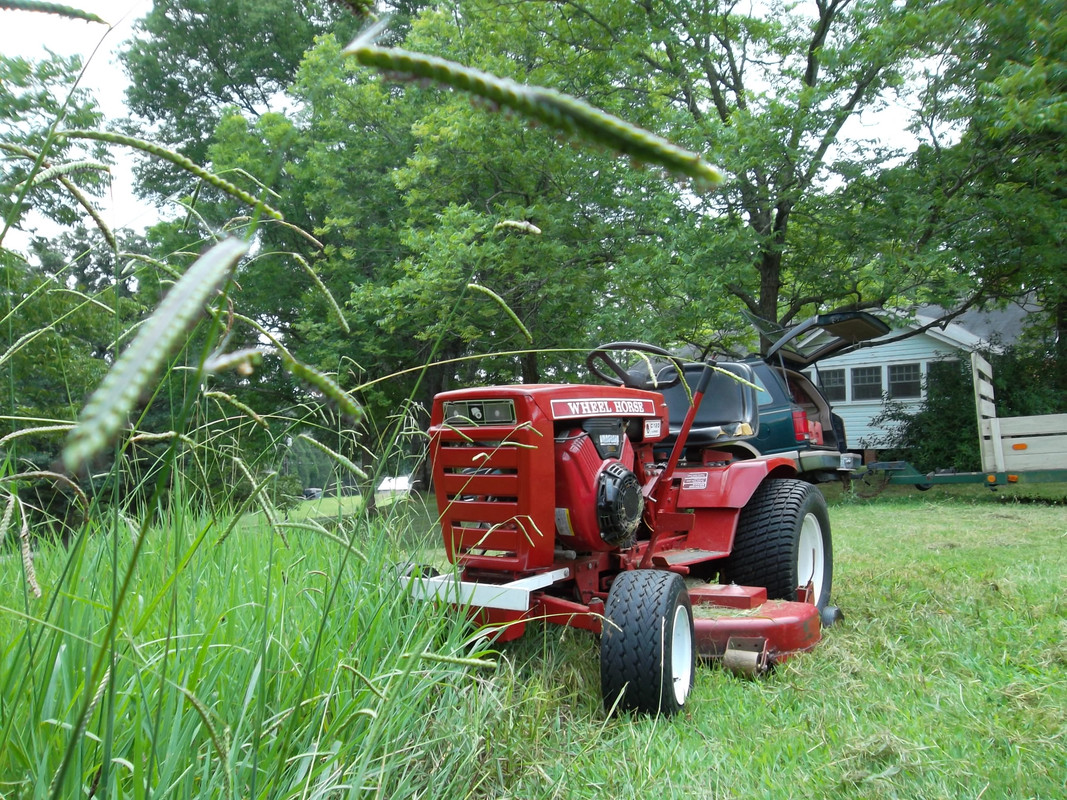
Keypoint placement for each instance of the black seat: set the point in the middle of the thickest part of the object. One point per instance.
(728, 412)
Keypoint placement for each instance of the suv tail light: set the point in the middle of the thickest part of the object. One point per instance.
(800, 426)
(806, 430)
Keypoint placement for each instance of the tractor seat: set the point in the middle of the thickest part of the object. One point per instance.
(728, 412)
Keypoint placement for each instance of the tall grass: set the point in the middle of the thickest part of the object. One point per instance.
(240, 669)
(251, 669)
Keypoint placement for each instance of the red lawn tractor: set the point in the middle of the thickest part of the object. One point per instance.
(605, 508)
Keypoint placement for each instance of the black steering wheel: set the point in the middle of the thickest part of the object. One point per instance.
(619, 376)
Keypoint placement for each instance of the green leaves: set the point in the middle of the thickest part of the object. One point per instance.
(560, 111)
(139, 364)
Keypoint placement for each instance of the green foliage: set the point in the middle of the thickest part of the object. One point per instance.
(560, 112)
(347, 645)
(190, 61)
(943, 432)
(36, 97)
(138, 365)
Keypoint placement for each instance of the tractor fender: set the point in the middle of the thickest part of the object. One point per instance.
(731, 486)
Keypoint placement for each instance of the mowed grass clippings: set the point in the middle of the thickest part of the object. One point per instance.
(947, 678)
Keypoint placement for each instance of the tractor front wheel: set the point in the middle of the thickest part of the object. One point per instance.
(783, 542)
(646, 648)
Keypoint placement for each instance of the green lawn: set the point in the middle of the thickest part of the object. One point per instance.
(267, 668)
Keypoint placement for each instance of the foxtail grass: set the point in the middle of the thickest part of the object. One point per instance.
(560, 112)
(140, 363)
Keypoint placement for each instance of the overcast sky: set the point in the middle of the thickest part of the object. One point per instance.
(28, 34)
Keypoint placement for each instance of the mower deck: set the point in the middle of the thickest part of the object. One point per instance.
(747, 632)
(736, 625)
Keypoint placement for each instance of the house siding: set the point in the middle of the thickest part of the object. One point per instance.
(858, 415)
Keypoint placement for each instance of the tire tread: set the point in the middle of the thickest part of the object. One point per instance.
(763, 551)
(631, 645)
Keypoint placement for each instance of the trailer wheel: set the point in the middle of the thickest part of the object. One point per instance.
(783, 542)
(646, 648)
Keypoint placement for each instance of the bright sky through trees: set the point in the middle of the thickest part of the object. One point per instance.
(30, 35)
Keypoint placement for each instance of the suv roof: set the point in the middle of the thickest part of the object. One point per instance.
(818, 337)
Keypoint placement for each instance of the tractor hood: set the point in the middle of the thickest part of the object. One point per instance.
(819, 337)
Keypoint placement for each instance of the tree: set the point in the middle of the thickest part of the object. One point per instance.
(767, 95)
(38, 170)
(189, 62)
(475, 175)
(404, 187)
(1014, 88)
(54, 334)
(975, 216)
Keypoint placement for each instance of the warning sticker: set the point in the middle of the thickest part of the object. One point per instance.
(563, 522)
(653, 428)
(695, 480)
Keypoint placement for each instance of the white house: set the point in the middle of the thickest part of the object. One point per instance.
(858, 383)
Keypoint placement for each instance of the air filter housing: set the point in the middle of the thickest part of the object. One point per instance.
(598, 498)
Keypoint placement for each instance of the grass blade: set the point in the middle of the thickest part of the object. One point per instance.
(137, 366)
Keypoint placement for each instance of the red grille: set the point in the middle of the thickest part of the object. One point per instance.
(486, 479)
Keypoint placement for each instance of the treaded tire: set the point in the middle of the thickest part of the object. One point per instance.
(783, 541)
(646, 648)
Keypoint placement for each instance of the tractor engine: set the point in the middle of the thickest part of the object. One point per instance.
(498, 452)
(598, 496)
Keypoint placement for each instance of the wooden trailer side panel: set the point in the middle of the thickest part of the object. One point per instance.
(1015, 444)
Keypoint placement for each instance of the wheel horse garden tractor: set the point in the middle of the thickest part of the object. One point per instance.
(608, 508)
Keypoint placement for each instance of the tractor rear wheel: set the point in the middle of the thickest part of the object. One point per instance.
(646, 648)
(783, 542)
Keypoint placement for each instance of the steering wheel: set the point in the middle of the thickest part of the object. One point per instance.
(620, 377)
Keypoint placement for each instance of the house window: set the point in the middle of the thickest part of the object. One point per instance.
(905, 381)
(832, 383)
(866, 383)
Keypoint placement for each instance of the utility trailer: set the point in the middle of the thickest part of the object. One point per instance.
(1014, 450)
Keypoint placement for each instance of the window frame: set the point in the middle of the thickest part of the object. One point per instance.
(872, 370)
(917, 381)
(843, 386)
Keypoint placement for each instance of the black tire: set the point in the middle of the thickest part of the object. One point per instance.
(647, 654)
(783, 542)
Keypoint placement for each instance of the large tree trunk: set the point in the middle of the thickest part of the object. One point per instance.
(531, 373)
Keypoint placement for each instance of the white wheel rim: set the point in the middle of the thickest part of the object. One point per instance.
(811, 560)
(681, 655)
